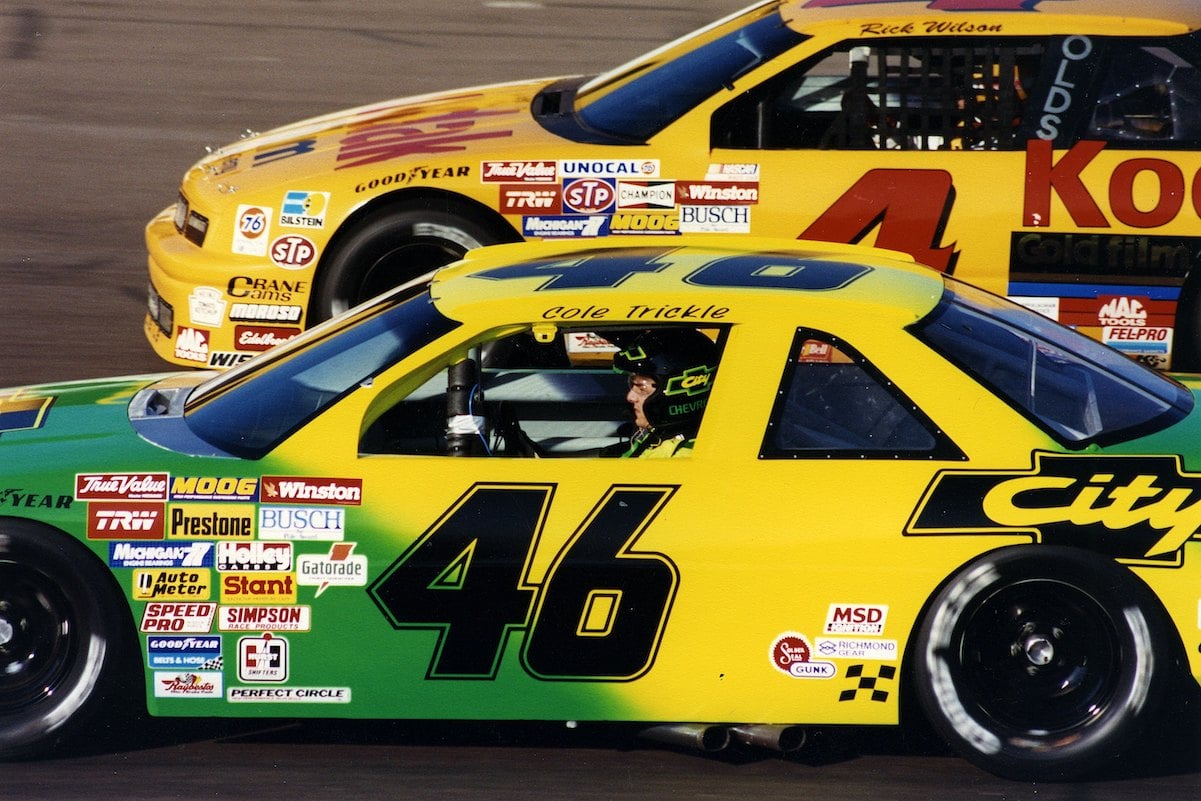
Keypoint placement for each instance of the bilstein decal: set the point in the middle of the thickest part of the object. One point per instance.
(1135, 508)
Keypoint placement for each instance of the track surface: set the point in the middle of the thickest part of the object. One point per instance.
(103, 104)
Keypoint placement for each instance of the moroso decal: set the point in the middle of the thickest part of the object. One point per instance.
(1134, 508)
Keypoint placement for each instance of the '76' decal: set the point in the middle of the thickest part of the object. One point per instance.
(598, 616)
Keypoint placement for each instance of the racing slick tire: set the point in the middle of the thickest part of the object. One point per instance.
(64, 640)
(388, 248)
(1040, 662)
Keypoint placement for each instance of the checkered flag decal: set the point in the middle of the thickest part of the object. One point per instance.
(213, 664)
(868, 683)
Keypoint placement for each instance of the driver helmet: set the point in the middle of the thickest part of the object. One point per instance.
(682, 361)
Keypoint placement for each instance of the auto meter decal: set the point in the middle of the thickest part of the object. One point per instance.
(1129, 507)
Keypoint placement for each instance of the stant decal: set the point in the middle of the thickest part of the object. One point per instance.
(258, 588)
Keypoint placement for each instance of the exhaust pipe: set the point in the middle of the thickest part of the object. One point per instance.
(701, 736)
(784, 739)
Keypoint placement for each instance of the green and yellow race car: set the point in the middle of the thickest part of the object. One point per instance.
(720, 486)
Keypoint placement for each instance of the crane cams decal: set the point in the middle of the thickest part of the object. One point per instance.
(1139, 509)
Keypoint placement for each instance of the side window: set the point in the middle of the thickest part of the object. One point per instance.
(521, 395)
(890, 95)
(831, 402)
(1149, 93)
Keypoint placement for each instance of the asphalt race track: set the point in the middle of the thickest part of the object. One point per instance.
(103, 105)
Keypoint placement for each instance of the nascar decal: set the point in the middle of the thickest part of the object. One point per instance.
(1142, 508)
(599, 615)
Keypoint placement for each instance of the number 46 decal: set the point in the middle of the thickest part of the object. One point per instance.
(598, 616)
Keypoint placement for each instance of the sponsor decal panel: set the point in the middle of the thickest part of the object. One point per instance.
(254, 556)
(341, 567)
(530, 199)
(252, 230)
(311, 490)
(196, 684)
(715, 219)
(265, 618)
(862, 619)
(316, 523)
(192, 344)
(211, 488)
(589, 196)
(121, 486)
(791, 654)
(262, 337)
(289, 695)
(609, 168)
(293, 252)
(646, 195)
(182, 653)
(206, 306)
(519, 171)
(263, 658)
(20, 499)
(258, 588)
(717, 193)
(565, 225)
(172, 584)
(178, 618)
(265, 313)
(221, 359)
(132, 520)
(165, 554)
(211, 521)
(862, 649)
(302, 209)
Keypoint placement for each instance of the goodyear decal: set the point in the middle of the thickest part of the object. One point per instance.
(1134, 508)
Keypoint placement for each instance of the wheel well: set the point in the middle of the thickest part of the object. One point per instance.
(910, 709)
(78, 553)
(402, 200)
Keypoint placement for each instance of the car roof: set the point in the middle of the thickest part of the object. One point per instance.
(582, 282)
(1067, 16)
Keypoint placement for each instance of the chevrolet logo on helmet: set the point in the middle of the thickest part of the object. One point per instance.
(693, 381)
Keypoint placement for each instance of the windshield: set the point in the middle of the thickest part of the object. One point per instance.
(640, 98)
(1078, 390)
(247, 412)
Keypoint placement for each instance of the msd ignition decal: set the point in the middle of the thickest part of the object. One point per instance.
(405, 134)
(598, 615)
(791, 655)
(1140, 509)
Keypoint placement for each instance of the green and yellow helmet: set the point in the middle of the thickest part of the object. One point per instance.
(683, 362)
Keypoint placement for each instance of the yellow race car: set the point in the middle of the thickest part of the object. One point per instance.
(724, 488)
(1042, 149)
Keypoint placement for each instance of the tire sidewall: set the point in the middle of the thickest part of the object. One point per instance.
(1034, 755)
(367, 241)
(96, 622)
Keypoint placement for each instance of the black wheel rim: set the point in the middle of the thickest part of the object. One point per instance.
(395, 266)
(1038, 658)
(36, 638)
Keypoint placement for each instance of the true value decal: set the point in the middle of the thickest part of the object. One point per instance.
(1134, 508)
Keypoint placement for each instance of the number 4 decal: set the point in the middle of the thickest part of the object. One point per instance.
(909, 206)
(599, 615)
